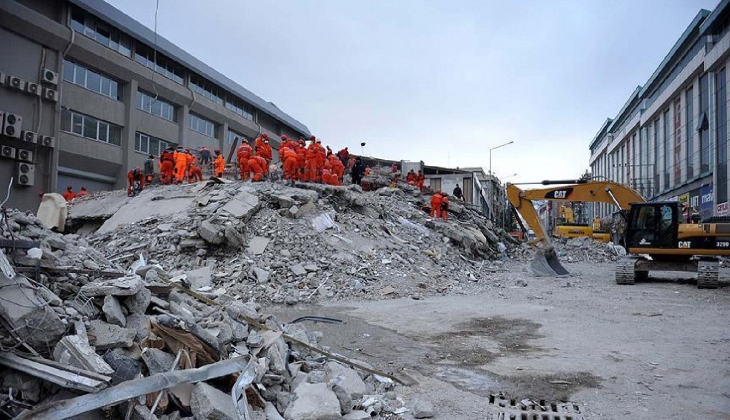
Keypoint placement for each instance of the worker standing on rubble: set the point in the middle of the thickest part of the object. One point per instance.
(167, 164)
(321, 157)
(149, 169)
(419, 180)
(83, 192)
(436, 204)
(310, 171)
(219, 164)
(204, 156)
(411, 177)
(290, 164)
(457, 192)
(258, 143)
(181, 162)
(266, 152)
(358, 169)
(344, 156)
(189, 160)
(445, 207)
(69, 194)
(301, 149)
(243, 154)
(135, 179)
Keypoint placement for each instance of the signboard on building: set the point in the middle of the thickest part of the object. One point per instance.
(707, 201)
(684, 198)
(694, 199)
(723, 209)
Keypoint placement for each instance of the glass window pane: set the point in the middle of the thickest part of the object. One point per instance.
(65, 120)
(156, 107)
(89, 27)
(125, 46)
(93, 81)
(103, 130)
(140, 100)
(137, 142)
(80, 76)
(68, 71)
(77, 19)
(106, 87)
(102, 34)
(115, 135)
(140, 59)
(90, 128)
(78, 124)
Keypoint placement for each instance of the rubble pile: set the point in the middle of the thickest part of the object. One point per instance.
(586, 250)
(270, 242)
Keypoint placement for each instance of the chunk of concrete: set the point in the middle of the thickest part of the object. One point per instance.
(357, 415)
(74, 350)
(211, 404)
(157, 361)
(113, 311)
(304, 209)
(211, 233)
(298, 270)
(125, 367)
(138, 303)
(257, 245)
(313, 402)
(123, 286)
(262, 276)
(242, 206)
(138, 323)
(201, 277)
(344, 398)
(422, 407)
(348, 379)
(108, 336)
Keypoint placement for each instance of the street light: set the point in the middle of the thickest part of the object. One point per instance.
(491, 179)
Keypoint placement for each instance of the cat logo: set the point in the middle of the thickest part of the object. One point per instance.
(684, 245)
(560, 194)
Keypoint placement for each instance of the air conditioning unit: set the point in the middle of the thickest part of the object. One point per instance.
(28, 136)
(7, 152)
(16, 82)
(33, 89)
(47, 141)
(24, 155)
(50, 94)
(12, 125)
(50, 76)
(25, 174)
(3, 78)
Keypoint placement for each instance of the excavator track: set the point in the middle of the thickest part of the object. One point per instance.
(708, 273)
(625, 271)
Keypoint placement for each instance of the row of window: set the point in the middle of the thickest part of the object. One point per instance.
(241, 109)
(100, 31)
(89, 79)
(90, 127)
(205, 88)
(231, 136)
(156, 61)
(202, 125)
(155, 106)
(150, 145)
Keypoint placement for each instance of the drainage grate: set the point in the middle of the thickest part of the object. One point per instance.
(513, 409)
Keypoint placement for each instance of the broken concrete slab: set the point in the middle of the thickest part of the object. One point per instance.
(74, 350)
(422, 407)
(201, 277)
(357, 415)
(209, 403)
(138, 323)
(138, 302)
(243, 205)
(125, 367)
(298, 270)
(113, 311)
(211, 233)
(123, 286)
(108, 336)
(348, 378)
(257, 245)
(313, 402)
(177, 200)
(262, 276)
(157, 361)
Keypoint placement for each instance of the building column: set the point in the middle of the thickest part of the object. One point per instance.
(222, 144)
(129, 94)
(184, 118)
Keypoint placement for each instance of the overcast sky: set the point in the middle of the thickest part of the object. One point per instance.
(441, 81)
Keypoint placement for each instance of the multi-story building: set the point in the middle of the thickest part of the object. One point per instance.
(88, 93)
(670, 139)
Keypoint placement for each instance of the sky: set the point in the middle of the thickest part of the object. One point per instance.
(442, 81)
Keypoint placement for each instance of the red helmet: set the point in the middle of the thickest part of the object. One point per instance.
(264, 135)
(312, 138)
(283, 137)
(217, 150)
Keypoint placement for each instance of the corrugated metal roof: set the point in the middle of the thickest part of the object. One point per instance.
(135, 29)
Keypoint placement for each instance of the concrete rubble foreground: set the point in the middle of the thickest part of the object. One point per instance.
(151, 306)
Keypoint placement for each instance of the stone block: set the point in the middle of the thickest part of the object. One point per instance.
(113, 311)
(123, 286)
(108, 336)
(209, 403)
(313, 402)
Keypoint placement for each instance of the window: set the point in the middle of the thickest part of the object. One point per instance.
(666, 149)
(240, 108)
(703, 125)
(721, 137)
(90, 127)
(232, 135)
(202, 126)
(155, 106)
(156, 61)
(150, 145)
(89, 79)
(100, 31)
(689, 154)
(203, 87)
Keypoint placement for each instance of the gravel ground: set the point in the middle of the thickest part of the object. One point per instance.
(656, 350)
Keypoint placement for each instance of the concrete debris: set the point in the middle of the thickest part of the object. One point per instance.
(422, 407)
(210, 403)
(313, 402)
(113, 311)
(107, 336)
(124, 286)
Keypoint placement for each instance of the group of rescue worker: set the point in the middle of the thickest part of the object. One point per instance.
(416, 179)
(311, 163)
(440, 205)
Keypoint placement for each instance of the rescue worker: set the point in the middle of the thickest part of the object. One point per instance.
(336, 180)
(350, 164)
(411, 177)
(255, 167)
(344, 155)
(243, 154)
(189, 161)
(69, 194)
(357, 171)
(167, 165)
(327, 177)
(219, 164)
(290, 163)
(204, 156)
(195, 174)
(135, 179)
(368, 171)
(457, 192)
(259, 142)
(419, 180)
(266, 152)
(149, 169)
(445, 207)
(310, 171)
(284, 144)
(338, 168)
(301, 150)
(82, 193)
(181, 162)
(436, 205)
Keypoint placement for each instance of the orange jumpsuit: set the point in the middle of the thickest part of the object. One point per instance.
(339, 170)
(220, 165)
(264, 164)
(135, 175)
(167, 165)
(445, 208)
(243, 155)
(254, 165)
(181, 162)
(436, 205)
(68, 195)
(195, 174)
(301, 161)
(419, 181)
(321, 158)
(411, 178)
(259, 142)
(267, 153)
(310, 171)
(335, 180)
(290, 163)
(326, 177)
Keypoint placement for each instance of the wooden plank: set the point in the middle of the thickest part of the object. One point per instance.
(51, 374)
(131, 389)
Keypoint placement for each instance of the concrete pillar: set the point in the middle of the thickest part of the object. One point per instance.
(129, 94)
(184, 119)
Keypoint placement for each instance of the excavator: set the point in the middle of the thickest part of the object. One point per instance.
(568, 228)
(656, 237)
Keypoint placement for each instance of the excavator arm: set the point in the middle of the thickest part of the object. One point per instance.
(546, 262)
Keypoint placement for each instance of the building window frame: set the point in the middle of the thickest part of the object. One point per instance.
(89, 127)
(81, 75)
(155, 106)
(146, 144)
(91, 27)
(202, 125)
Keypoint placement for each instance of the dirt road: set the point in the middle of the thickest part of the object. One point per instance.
(657, 350)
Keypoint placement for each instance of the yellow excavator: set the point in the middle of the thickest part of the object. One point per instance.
(568, 228)
(656, 237)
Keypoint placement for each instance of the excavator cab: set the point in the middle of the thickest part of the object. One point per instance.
(653, 226)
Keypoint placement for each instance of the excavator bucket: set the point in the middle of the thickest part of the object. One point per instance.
(546, 264)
